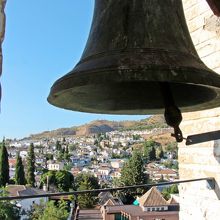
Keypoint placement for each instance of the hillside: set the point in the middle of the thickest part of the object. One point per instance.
(102, 126)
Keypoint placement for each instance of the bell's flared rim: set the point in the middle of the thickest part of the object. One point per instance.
(135, 91)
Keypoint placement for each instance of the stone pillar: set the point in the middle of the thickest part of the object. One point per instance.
(2, 34)
(201, 160)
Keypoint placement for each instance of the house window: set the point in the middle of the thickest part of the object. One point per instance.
(118, 216)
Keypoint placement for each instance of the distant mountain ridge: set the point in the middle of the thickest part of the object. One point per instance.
(102, 126)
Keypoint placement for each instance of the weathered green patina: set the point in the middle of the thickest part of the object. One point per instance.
(133, 47)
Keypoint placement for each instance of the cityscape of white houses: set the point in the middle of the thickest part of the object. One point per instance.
(104, 159)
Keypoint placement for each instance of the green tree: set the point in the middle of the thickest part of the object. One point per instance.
(58, 146)
(126, 178)
(159, 153)
(152, 154)
(171, 147)
(92, 179)
(68, 166)
(146, 153)
(8, 210)
(132, 172)
(60, 156)
(62, 180)
(167, 191)
(31, 166)
(136, 137)
(137, 166)
(19, 171)
(149, 151)
(73, 147)
(4, 165)
(36, 210)
(96, 142)
(100, 136)
(87, 200)
(66, 153)
(49, 211)
(67, 149)
(49, 156)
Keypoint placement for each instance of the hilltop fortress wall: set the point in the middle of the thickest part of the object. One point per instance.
(201, 160)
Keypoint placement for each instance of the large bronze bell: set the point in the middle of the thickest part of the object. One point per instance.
(139, 59)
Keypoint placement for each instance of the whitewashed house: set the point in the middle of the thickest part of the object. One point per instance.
(52, 165)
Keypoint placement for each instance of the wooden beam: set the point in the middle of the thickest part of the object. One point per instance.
(215, 6)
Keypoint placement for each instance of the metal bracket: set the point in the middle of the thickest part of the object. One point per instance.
(211, 184)
(200, 138)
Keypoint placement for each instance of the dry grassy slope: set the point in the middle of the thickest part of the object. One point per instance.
(164, 139)
(102, 126)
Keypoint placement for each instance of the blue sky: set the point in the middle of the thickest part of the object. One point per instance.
(44, 39)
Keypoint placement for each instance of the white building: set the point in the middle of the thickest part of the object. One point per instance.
(23, 154)
(117, 163)
(55, 165)
(105, 171)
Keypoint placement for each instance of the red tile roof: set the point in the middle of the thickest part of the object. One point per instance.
(136, 211)
(13, 190)
(166, 171)
(152, 198)
(172, 201)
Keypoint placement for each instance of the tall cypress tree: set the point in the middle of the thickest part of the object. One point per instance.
(149, 151)
(19, 171)
(132, 173)
(31, 165)
(4, 165)
(58, 146)
(87, 200)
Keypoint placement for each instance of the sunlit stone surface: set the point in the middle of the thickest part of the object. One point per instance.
(201, 160)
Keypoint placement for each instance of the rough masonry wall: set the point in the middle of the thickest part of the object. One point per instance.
(201, 160)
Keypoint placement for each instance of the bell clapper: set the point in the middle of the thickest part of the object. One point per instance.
(173, 118)
(172, 114)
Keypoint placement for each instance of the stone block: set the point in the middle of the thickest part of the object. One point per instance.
(208, 47)
(190, 3)
(206, 114)
(199, 36)
(196, 23)
(217, 70)
(195, 10)
(212, 61)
